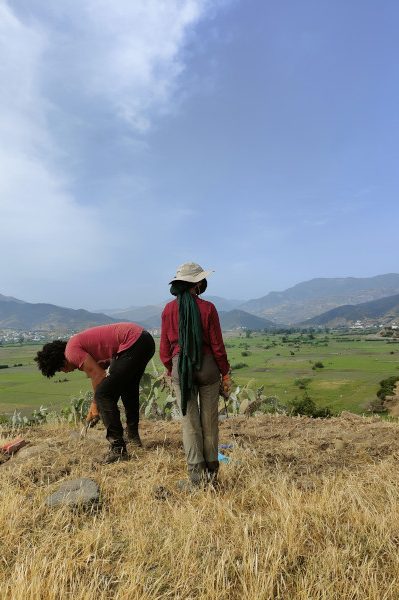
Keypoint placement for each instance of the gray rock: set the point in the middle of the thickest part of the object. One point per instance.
(74, 493)
(29, 452)
(25, 454)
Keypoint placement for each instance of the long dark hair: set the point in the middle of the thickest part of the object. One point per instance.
(190, 338)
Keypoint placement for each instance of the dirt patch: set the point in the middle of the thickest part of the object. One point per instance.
(327, 385)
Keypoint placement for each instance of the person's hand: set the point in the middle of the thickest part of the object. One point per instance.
(225, 385)
(93, 416)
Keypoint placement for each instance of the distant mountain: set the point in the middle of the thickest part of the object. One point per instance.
(16, 314)
(10, 299)
(150, 316)
(311, 298)
(235, 319)
(381, 312)
(222, 303)
(292, 306)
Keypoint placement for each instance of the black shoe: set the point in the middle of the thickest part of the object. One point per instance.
(132, 434)
(115, 454)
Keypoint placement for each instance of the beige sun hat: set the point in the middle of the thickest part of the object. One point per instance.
(191, 272)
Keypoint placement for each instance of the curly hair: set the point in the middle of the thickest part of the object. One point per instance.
(51, 358)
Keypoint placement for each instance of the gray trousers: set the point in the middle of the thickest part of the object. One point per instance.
(200, 424)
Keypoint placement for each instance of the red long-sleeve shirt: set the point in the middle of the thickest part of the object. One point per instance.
(212, 340)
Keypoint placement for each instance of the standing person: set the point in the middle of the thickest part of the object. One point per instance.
(128, 348)
(193, 353)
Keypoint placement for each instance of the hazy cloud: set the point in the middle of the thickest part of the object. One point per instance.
(66, 59)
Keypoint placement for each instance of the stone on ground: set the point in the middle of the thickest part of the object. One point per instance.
(75, 493)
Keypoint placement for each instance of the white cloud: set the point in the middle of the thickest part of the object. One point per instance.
(125, 53)
(56, 58)
(40, 221)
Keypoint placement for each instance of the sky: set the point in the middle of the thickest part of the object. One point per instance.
(258, 138)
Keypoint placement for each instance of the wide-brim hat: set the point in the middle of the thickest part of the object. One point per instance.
(191, 272)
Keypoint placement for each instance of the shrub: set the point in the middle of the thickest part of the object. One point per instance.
(246, 353)
(239, 365)
(318, 365)
(306, 406)
(302, 383)
(387, 387)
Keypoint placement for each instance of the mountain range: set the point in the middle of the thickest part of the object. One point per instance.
(20, 315)
(292, 306)
(382, 312)
(311, 298)
(301, 304)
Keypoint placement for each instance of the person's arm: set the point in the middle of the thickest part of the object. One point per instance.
(216, 341)
(165, 349)
(94, 371)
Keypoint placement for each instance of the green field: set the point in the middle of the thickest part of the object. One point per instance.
(349, 380)
(353, 368)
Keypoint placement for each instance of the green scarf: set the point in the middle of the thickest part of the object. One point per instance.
(190, 338)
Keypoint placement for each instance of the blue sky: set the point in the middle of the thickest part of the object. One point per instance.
(258, 138)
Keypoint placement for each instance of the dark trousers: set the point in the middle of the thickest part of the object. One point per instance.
(123, 382)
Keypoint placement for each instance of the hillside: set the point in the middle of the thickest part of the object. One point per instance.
(16, 314)
(306, 508)
(292, 306)
(150, 315)
(236, 319)
(381, 312)
(311, 298)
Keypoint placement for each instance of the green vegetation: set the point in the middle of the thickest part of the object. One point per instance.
(349, 379)
(387, 387)
(353, 368)
(23, 388)
(307, 406)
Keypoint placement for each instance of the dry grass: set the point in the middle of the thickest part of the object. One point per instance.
(307, 510)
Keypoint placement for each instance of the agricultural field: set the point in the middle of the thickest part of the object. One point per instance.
(25, 389)
(353, 366)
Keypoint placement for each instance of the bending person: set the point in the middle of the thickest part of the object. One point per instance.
(193, 353)
(128, 348)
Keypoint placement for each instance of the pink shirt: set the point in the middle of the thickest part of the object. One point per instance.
(102, 343)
